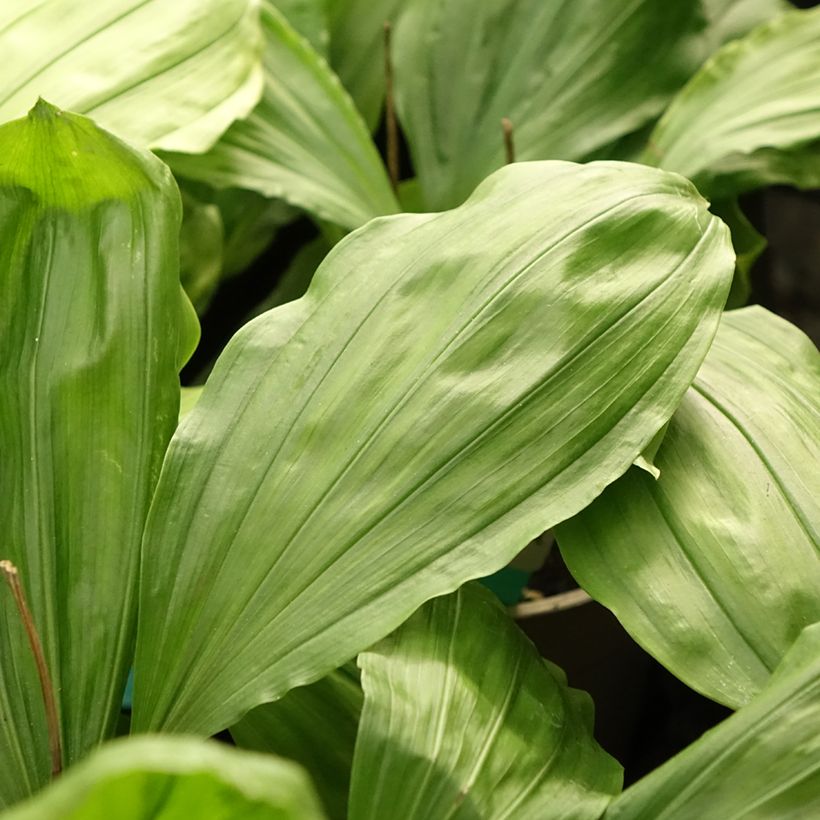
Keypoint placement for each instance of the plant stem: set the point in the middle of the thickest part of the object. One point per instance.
(509, 144)
(12, 577)
(390, 111)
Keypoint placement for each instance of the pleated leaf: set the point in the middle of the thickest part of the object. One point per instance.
(304, 143)
(160, 74)
(763, 763)
(175, 778)
(751, 115)
(463, 719)
(715, 567)
(450, 386)
(316, 726)
(571, 75)
(90, 324)
(357, 50)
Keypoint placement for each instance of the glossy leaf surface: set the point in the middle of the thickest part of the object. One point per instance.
(450, 386)
(304, 143)
(760, 764)
(160, 74)
(357, 50)
(464, 719)
(89, 326)
(173, 778)
(316, 726)
(751, 115)
(715, 567)
(571, 75)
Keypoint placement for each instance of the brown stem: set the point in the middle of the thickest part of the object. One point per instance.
(509, 144)
(10, 572)
(390, 111)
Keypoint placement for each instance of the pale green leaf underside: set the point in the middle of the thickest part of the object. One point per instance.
(751, 115)
(90, 325)
(357, 50)
(304, 143)
(463, 719)
(316, 726)
(171, 75)
(176, 778)
(450, 386)
(715, 567)
(571, 75)
(763, 763)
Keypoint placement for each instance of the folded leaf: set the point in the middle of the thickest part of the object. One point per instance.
(571, 75)
(751, 115)
(760, 764)
(316, 726)
(304, 143)
(357, 50)
(170, 778)
(90, 324)
(450, 386)
(714, 568)
(463, 719)
(160, 74)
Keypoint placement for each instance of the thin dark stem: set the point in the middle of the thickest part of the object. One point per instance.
(390, 111)
(10, 572)
(509, 144)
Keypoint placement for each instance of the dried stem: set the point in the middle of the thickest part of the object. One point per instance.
(10, 572)
(509, 144)
(390, 111)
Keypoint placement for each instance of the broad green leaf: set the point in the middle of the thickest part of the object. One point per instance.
(463, 719)
(357, 50)
(304, 143)
(309, 18)
(189, 396)
(176, 778)
(201, 242)
(316, 726)
(171, 75)
(763, 763)
(751, 115)
(730, 19)
(714, 568)
(90, 325)
(450, 386)
(571, 75)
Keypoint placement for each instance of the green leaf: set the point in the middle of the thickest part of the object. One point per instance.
(174, 778)
(171, 75)
(463, 719)
(309, 18)
(304, 143)
(201, 240)
(357, 50)
(89, 330)
(316, 726)
(450, 386)
(714, 568)
(730, 19)
(751, 115)
(572, 76)
(760, 764)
